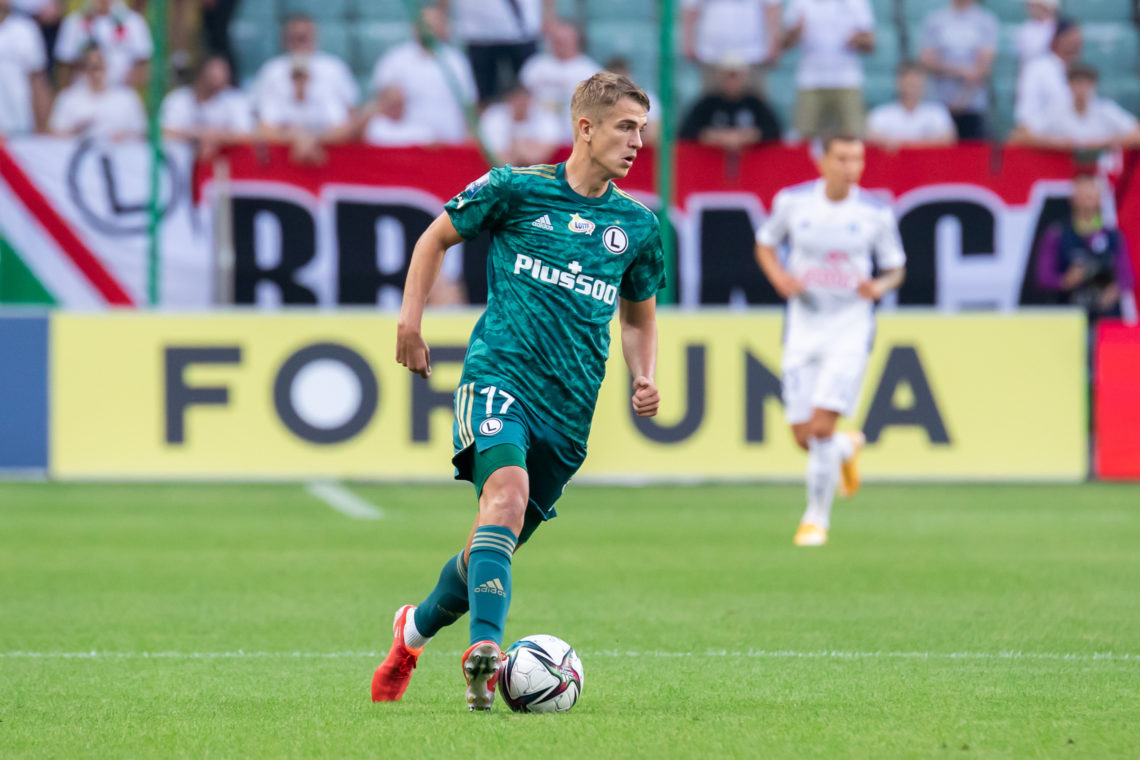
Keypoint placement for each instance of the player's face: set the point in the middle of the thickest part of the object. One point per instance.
(615, 140)
(842, 164)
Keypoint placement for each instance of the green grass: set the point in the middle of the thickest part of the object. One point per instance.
(701, 584)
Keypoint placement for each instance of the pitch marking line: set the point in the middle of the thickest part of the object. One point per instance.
(711, 653)
(345, 501)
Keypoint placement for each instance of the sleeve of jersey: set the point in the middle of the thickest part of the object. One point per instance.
(482, 204)
(646, 275)
(889, 252)
(775, 228)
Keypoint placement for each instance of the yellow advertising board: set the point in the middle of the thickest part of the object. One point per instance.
(307, 394)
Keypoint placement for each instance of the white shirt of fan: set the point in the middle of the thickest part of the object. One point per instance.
(21, 55)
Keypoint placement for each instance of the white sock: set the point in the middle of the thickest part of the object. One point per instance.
(845, 445)
(822, 479)
(413, 639)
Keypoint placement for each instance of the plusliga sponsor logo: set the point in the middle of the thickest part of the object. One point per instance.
(583, 284)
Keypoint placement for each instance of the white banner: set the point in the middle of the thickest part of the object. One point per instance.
(76, 212)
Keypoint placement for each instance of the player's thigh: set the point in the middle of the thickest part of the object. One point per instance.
(839, 382)
(491, 430)
(798, 377)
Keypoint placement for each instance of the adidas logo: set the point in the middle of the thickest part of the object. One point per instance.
(491, 587)
(543, 223)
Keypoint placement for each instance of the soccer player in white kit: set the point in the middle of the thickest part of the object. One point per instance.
(834, 230)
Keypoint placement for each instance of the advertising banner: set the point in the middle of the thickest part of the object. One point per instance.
(1117, 401)
(23, 394)
(300, 395)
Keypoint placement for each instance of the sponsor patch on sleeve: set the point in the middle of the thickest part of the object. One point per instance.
(477, 185)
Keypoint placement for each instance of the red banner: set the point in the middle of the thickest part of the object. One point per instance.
(970, 218)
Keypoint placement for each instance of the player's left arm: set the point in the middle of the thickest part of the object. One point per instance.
(889, 256)
(639, 347)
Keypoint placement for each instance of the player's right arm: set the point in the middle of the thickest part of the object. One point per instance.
(481, 206)
(773, 231)
(427, 258)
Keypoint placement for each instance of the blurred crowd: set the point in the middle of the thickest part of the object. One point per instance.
(504, 70)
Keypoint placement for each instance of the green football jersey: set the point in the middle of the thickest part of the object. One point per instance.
(557, 265)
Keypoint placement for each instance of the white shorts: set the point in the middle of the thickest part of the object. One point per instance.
(829, 381)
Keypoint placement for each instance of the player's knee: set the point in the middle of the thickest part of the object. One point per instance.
(504, 499)
(822, 426)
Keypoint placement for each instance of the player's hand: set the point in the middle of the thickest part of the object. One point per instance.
(788, 287)
(412, 351)
(872, 290)
(646, 399)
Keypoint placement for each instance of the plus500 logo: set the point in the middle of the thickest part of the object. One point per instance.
(584, 284)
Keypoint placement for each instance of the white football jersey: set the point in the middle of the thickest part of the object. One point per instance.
(831, 248)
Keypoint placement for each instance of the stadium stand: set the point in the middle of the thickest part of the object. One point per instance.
(360, 31)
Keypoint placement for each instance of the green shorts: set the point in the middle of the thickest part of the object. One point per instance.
(487, 416)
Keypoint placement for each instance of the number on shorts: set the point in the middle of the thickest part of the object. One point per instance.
(490, 392)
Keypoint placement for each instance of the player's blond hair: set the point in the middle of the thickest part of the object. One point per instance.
(601, 92)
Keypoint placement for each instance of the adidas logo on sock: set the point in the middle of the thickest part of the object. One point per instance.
(543, 223)
(494, 586)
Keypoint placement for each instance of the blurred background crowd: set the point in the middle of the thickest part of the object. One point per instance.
(403, 73)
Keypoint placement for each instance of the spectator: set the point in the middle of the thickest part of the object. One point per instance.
(551, 77)
(382, 121)
(519, 132)
(93, 106)
(499, 36)
(328, 75)
(1089, 122)
(47, 14)
(620, 66)
(388, 124)
(747, 29)
(1035, 35)
(435, 78)
(209, 111)
(911, 121)
(959, 43)
(730, 117)
(829, 79)
(120, 33)
(25, 95)
(1042, 86)
(1086, 261)
(306, 110)
(216, 15)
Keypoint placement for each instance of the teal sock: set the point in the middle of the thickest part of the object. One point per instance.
(447, 602)
(489, 581)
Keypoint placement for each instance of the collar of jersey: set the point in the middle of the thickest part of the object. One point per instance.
(574, 196)
(821, 192)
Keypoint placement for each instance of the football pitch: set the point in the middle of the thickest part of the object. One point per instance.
(246, 620)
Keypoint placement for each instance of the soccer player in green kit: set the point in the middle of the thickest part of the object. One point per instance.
(568, 247)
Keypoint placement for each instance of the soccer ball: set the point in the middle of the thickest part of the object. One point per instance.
(541, 674)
